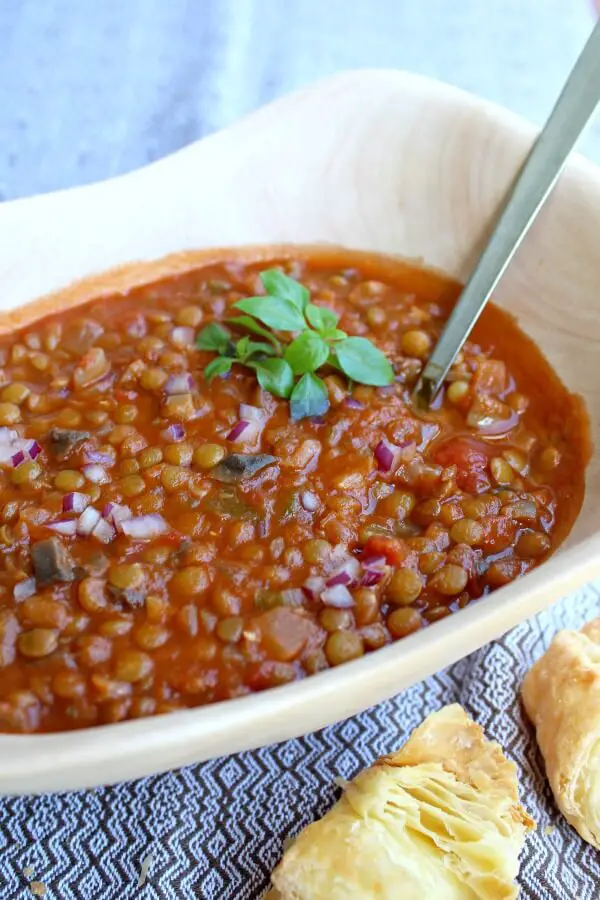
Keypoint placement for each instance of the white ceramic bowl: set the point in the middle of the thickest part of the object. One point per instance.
(376, 160)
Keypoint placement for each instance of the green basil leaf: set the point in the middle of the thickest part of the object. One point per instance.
(213, 337)
(309, 398)
(260, 347)
(306, 353)
(245, 348)
(275, 376)
(276, 284)
(274, 312)
(252, 325)
(364, 362)
(334, 334)
(241, 348)
(218, 366)
(320, 317)
(333, 361)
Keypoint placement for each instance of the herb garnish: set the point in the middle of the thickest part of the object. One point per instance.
(288, 369)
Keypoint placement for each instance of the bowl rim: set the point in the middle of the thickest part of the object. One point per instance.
(113, 752)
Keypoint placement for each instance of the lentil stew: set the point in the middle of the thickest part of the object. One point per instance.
(156, 556)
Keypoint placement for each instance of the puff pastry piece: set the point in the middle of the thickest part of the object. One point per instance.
(561, 694)
(440, 819)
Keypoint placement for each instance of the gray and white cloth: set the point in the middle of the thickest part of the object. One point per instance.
(89, 90)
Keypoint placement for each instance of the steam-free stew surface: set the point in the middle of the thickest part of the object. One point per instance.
(145, 571)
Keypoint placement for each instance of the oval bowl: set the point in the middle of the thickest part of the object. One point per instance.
(374, 160)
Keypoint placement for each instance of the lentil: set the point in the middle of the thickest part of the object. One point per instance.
(15, 393)
(26, 473)
(69, 480)
(399, 504)
(416, 343)
(404, 587)
(402, 622)
(450, 580)
(343, 646)
(533, 544)
(467, 531)
(501, 471)
(336, 619)
(457, 391)
(37, 642)
(9, 413)
(132, 666)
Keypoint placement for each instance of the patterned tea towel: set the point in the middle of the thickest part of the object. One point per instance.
(89, 90)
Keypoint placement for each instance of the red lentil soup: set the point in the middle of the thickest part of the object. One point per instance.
(156, 558)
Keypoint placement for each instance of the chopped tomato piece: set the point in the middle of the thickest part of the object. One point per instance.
(285, 633)
(395, 550)
(499, 533)
(471, 458)
(490, 377)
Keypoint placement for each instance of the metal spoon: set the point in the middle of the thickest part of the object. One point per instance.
(538, 175)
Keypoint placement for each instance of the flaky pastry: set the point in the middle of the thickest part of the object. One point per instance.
(561, 694)
(438, 820)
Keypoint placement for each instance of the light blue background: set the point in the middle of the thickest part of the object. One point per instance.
(92, 88)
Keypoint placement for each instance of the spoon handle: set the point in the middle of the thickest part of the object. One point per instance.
(543, 165)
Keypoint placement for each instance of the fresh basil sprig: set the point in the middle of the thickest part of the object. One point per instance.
(288, 369)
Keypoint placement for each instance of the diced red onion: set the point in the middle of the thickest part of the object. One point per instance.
(339, 578)
(15, 450)
(24, 589)
(173, 433)
(345, 574)
(339, 597)
(99, 457)
(180, 383)
(34, 450)
(237, 430)
(144, 528)
(317, 420)
(313, 586)
(253, 413)
(121, 515)
(68, 528)
(116, 513)
(75, 502)
(374, 570)
(386, 455)
(309, 501)
(182, 335)
(104, 532)
(371, 577)
(96, 473)
(353, 403)
(87, 521)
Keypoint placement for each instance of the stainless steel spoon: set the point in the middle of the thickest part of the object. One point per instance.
(538, 175)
